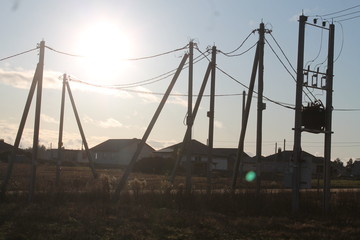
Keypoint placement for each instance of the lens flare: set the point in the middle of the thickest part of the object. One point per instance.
(250, 176)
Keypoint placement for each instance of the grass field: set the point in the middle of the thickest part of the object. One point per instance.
(84, 208)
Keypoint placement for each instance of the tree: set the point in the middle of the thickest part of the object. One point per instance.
(349, 165)
(338, 162)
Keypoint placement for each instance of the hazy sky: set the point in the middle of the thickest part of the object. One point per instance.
(107, 32)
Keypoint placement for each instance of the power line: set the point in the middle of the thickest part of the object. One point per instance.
(157, 78)
(287, 59)
(18, 54)
(342, 42)
(344, 15)
(320, 48)
(347, 19)
(144, 92)
(347, 109)
(228, 53)
(282, 63)
(127, 59)
(344, 10)
(285, 105)
(239, 54)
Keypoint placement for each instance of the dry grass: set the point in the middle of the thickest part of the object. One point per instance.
(83, 208)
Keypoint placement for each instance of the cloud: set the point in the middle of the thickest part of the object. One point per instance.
(22, 78)
(108, 123)
(48, 119)
(48, 138)
(147, 95)
(178, 100)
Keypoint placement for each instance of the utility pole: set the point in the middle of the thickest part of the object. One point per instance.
(189, 119)
(37, 122)
(260, 106)
(88, 154)
(245, 118)
(328, 122)
(61, 127)
(211, 114)
(188, 129)
(20, 132)
(140, 146)
(298, 107)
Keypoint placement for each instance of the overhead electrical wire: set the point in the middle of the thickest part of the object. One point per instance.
(320, 48)
(344, 10)
(344, 15)
(157, 78)
(347, 19)
(282, 63)
(126, 59)
(342, 41)
(333, 15)
(18, 54)
(239, 54)
(287, 59)
(237, 81)
(144, 92)
(229, 53)
(285, 105)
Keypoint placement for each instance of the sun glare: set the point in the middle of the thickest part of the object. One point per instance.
(106, 47)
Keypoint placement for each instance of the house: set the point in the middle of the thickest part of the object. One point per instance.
(6, 150)
(68, 155)
(119, 152)
(355, 170)
(281, 164)
(223, 159)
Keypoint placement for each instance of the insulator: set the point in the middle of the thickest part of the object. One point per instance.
(314, 82)
(323, 82)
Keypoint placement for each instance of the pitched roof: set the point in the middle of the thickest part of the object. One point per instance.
(5, 147)
(287, 156)
(114, 145)
(202, 149)
(196, 146)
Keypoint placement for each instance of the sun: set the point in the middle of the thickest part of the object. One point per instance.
(105, 47)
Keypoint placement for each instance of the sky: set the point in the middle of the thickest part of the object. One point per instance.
(99, 37)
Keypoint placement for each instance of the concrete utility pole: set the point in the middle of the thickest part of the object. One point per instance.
(260, 106)
(20, 129)
(140, 146)
(245, 118)
(189, 120)
(88, 154)
(188, 129)
(37, 122)
(298, 107)
(61, 127)
(211, 114)
(328, 122)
